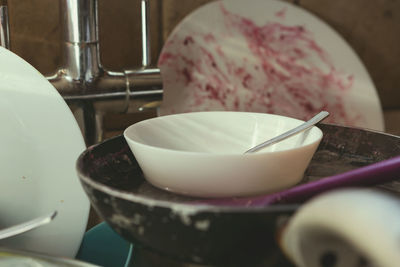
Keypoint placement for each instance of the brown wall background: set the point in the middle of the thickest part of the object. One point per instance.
(371, 27)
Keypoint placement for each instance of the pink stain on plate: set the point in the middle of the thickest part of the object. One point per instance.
(270, 68)
(281, 13)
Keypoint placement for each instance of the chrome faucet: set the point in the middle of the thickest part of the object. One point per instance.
(82, 80)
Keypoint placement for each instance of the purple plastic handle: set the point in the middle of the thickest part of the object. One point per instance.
(377, 173)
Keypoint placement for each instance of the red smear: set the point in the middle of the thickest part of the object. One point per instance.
(281, 14)
(246, 80)
(209, 38)
(166, 57)
(187, 75)
(188, 40)
(276, 76)
(213, 92)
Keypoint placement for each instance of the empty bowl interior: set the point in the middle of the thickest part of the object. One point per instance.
(219, 132)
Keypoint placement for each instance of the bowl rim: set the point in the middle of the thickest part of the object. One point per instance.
(201, 153)
(182, 208)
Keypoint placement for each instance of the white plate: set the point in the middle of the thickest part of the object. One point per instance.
(265, 56)
(40, 142)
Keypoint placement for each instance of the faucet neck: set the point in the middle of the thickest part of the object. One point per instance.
(80, 20)
(81, 40)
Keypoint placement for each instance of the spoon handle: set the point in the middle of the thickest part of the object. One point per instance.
(305, 126)
(27, 226)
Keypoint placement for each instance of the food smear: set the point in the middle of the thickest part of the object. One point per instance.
(270, 68)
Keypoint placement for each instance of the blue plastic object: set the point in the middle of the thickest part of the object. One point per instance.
(104, 247)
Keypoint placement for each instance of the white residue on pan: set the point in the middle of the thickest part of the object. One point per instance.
(178, 208)
(186, 220)
(137, 218)
(196, 258)
(121, 220)
(184, 212)
(141, 230)
(202, 225)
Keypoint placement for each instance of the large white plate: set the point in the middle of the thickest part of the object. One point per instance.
(39, 144)
(265, 56)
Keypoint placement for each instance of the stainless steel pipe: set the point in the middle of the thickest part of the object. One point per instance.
(83, 76)
(80, 17)
(146, 45)
(4, 26)
(83, 79)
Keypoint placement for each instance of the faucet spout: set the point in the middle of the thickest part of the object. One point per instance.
(81, 54)
(83, 76)
(83, 79)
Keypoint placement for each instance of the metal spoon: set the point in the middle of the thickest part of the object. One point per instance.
(27, 226)
(308, 124)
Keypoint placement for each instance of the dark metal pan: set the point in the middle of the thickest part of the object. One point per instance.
(172, 225)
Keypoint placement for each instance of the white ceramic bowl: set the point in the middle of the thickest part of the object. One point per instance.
(201, 153)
